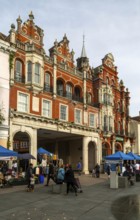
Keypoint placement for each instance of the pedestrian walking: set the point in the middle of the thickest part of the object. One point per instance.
(32, 183)
(50, 173)
(108, 170)
(29, 174)
(70, 179)
(97, 170)
(60, 175)
(118, 169)
(79, 168)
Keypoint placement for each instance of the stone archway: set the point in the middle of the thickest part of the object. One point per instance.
(118, 147)
(91, 155)
(105, 149)
(21, 142)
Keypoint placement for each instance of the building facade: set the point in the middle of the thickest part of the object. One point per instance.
(113, 100)
(5, 53)
(76, 112)
(135, 130)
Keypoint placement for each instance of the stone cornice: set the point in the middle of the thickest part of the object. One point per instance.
(60, 124)
(5, 47)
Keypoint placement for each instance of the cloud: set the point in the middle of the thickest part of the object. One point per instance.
(108, 25)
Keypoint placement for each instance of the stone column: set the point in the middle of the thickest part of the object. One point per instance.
(85, 155)
(33, 146)
(56, 148)
(113, 146)
(85, 89)
(54, 76)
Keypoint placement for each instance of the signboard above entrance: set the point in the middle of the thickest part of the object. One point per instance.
(119, 139)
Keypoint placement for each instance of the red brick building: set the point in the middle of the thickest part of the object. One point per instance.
(113, 101)
(74, 111)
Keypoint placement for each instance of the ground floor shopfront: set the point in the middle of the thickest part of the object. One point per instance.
(69, 142)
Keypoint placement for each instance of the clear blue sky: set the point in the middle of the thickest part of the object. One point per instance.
(109, 26)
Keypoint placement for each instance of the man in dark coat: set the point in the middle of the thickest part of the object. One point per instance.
(51, 173)
(29, 174)
(97, 170)
(70, 180)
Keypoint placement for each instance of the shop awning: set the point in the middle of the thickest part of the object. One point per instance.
(4, 152)
(44, 151)
(119, 156)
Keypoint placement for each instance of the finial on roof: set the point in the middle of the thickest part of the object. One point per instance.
(121, 82)
(55, 43)
(65, 37)
(83, 53)
(19, 19)
(31, 16)
(12, 26)
(72, 51)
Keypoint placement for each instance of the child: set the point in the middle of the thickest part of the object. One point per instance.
(93, 173)
(32, 183)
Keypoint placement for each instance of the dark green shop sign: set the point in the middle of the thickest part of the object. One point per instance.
(119, 139)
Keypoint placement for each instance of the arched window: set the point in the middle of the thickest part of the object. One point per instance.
(77, 93)
(47, 82)
(105, 98)
(89, 98)
(37, 73)
(105, 123)
(29, 71)
(119, 107)
(18, 71)
(119, 127)
(107, 80)
(104, 149)
(110, 123)
(113, 84)
(69, 91)
(60, 88)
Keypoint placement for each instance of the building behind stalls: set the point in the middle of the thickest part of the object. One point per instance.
(77, 112)
(135, 130)
(6, 52)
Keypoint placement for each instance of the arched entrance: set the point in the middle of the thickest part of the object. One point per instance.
(91, 155)
(21, 144)
(118, 147)
(105, 149)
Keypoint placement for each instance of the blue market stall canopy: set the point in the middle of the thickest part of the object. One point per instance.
(119, 156)
(135, 157)
(4, 152)
(43, 151)
(26, 156)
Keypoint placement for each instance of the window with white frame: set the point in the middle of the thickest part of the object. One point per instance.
(89, 98)
(91, 120)
(60, 88)
(46, 108)
(110, 123)
(119, 127)
(78, 116)
(18, 71)
(68, 91)
(22, 104)
(37, 73)
(47, 82)
(64, 112)
(105, 123)
(47, 78)
(29, 71)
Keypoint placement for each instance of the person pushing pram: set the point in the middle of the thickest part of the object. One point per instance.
(78, 185)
